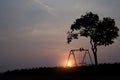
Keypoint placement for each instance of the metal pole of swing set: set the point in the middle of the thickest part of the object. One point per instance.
(72, 53)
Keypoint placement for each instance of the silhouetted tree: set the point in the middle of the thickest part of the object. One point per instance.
(100, 32)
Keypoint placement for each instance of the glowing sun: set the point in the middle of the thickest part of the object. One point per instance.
(69, 64)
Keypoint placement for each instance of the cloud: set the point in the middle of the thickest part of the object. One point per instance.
(44, 5)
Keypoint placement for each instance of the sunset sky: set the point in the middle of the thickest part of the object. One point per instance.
(33, 32)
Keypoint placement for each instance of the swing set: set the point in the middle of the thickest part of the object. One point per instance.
(81, 50)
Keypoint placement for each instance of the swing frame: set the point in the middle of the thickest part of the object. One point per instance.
(72, 53)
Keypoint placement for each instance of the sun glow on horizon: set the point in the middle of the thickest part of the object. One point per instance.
(69, 64)
(64, 62)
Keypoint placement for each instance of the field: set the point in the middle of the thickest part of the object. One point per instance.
(91, 72)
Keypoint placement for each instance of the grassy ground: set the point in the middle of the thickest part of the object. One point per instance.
(102, 71)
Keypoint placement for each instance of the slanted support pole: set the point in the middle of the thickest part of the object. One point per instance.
(72, 53)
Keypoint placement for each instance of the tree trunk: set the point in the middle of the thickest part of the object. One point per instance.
(95, 58)
(94, 50)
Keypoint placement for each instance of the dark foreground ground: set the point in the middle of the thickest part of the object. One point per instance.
(100, 72)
